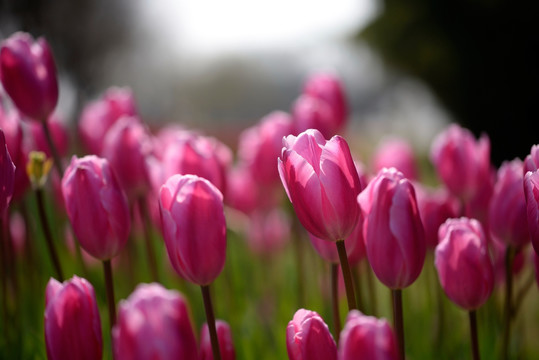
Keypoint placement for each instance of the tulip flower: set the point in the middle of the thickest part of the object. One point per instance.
(531, 191)
(531, 163)
(154, 323)
(366, 337)
(28, 74)
(312, 113)
(7, 176)
(268, 231)
(308, 337)
(72, 322)
(328, 87)
(225, 342)
(397, 153)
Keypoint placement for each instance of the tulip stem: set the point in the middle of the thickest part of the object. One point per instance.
(398, 322)
(347, 275)
(335, 300)
(148, 238)
(300, 263)
(372, 290)
(210, 319)
(110, 293)
(48, 234)
(356, 276)
(522, 293)
(54, 151)
(509, 257)
(473, 332)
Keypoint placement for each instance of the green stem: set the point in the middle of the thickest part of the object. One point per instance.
(347, 275)
(473, 332)
(372, 290)
(107, 268)
(300, 263)
(398, 322)
(335, 300)
(509, 257)
(54, 151)
(210, 319)
(148, 239)
(356, 276)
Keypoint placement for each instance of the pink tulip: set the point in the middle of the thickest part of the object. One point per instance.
(194, 229)
(393, 232)
(7, 175)
(261, 144)
(397, 153)
(531, 163)
(308, 338)
(224, 336)
(17, 232)
(321, 182)
(464, 267)
(507, 211)
(154, 323)
(531, 191)
(328, 87)
(10, 123)
(313, 113)
(72, 322)
(28, 73)
(59, 134)
(461, 162)
(97, 117)
(268, 231)
(96, 206)
(498, 252)
(368, 338)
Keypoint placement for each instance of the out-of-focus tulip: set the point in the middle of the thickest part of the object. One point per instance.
(313, 113)
(268, 231)
(461, 162)
(397, 153)
(7, 175)
(261, 144)
(59, 135)
(96, 206)
(28, 73)
(308, 337)
(366, 337)
(17, 229)
(536, 267)
(10, 123)
(72, 322)
(328, 87)
(194, 229)
(498, 252)
(224, 336)
(393, 232)
(531, 191)
(463, 263)
(531, 163)
(97, 117)
(321, 182)
(507, 210)
(127, 147)
(154, 323)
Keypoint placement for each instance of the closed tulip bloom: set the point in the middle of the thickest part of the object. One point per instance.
(194, 229)
(268, 231)
(7, 175)
(72, 322)
(313, 113)
(28, 74)
(59, 135)
(224, 335)
(397, 153)
(394, 235)
(507, 210)
(531, 163)
(464, 267)
(368, 338)
(154, 323)
(10, 123)
(328, 87)
(321, 182)
(531, 191)
(461, 162)
(308, 338)
(96, 206)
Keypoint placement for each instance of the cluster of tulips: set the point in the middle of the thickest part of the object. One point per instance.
(182, 183)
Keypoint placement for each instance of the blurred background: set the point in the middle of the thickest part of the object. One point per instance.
(409, 67)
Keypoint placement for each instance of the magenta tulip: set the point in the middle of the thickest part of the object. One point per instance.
(322, 183)
(7, 175)
(394, 235)
(72, 322)
(268, 231)
(531, 191)
(59, 134)
(397, 153)
(531, 163)
(225, 342)
(368, 338)
(464, 267)
(308, 338)
(507, 210)
(10, 123)
(313, 113)
(194, 229)
(96, 206)
(328, 87)
(154, 323)
(28, 74)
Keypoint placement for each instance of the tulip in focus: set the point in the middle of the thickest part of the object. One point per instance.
(368, 338)
(154, 323)
(397, 153)
(531, 191)
(7, 175)
(328, 87)
(72, 322)
(28, 74)
(225, 342)
(308, 338)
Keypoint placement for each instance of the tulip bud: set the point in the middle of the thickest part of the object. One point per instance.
(59, 134)
(464, 267)
(531, 191)
(38, 168)
(193, 226)
(72, 322)
(531, 163)
(7, 175)
(268, 231)
(397, 153)
(366, 337)
(96, 206)
(313, 113)
(224, 336)
(28, 74)
(507, 210)
(394, 235)
(328, 87)
(154, 323)
(308, 337)
(321, 182)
